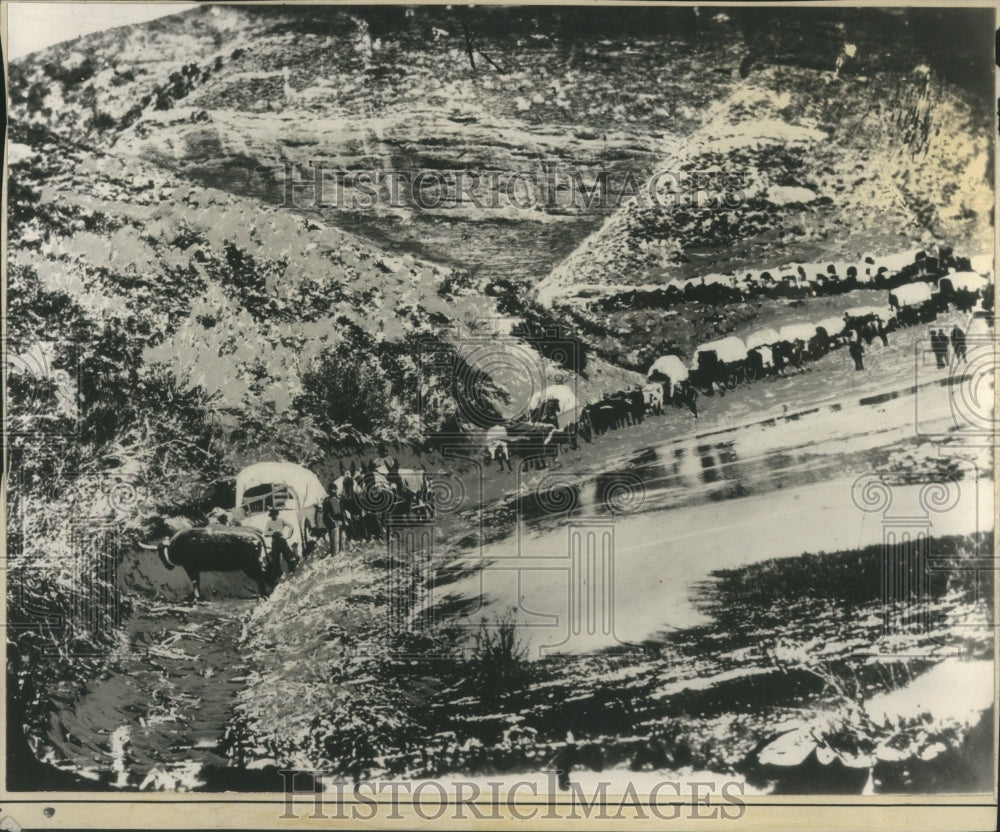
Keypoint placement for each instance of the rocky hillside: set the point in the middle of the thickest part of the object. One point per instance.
(800, 165)
(229, 96)
(161, 195)
(174, 312)
(843, 137)
(821, 123)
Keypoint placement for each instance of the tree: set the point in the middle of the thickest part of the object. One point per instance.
(347, 394)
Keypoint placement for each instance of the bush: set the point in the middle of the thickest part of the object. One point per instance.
(72, 76)
(347, 394)
(542, 328)
(178, 86)
(37, 94)
(499, 665)
(102, 121)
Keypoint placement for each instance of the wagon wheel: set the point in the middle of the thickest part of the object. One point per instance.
(732, 379)
(750, 372)
(585, 427)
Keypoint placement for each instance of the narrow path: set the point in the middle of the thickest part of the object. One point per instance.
(158, 720)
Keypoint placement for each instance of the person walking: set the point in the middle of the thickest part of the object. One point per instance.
(778, 356)
(939, 345)
(958, 344)
(857, 353)
(333, 518)
(883, 334)
(690, 397)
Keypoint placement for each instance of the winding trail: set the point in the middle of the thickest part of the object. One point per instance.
(160, 719)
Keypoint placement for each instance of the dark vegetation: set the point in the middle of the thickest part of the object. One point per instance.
(550, 333)
(97, 421)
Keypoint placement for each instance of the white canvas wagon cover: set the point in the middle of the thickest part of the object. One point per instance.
(671, 366)
(969, 281)
(982, 263)
(865, 311)
(560, 392)
(911, 294)
(762, 338)
(797, 332)
(831, 326)
(304, 482)
(727, 350)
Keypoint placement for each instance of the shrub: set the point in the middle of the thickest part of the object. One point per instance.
(347, 394)
(72, 76)
(498, 667)
(102, 121)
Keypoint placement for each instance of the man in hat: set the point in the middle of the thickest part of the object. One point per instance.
(276, 527)
(333, 518)
(384, 463)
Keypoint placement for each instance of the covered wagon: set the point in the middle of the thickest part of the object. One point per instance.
(719, 362)
(859, 319)
(792, 281)
(868, 313)
(893, 268)
(913, 303)
(961, 289)
(558, 407)
(766, 337)
(760, 355)
(556, 404)
(671, 371)
(294, 491)
(796, 341)
(982, 263)
(712, 288)
(829, 332)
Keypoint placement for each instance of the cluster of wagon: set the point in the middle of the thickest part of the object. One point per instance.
(267, 493)
(272, 500)
(728, 361)
(557, 417)
(800, 280)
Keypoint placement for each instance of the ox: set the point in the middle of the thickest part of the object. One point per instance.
(535, 442)
(413, 492)
(219, 548)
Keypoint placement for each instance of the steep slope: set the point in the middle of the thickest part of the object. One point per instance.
(813, 156)
(228, 96)
(807, 165)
